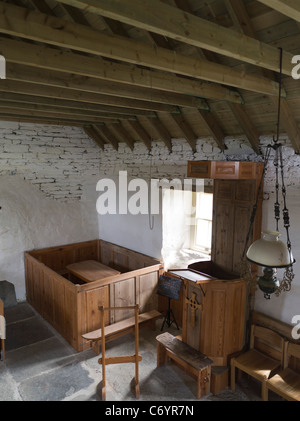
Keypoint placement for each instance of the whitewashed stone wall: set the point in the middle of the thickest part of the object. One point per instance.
(54, 159)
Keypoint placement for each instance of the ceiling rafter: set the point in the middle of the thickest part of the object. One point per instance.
(203, 68)
(34, 26)
(290, 8)
(242, 18)
(158, 17)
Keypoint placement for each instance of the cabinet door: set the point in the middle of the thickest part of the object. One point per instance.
(233, 203)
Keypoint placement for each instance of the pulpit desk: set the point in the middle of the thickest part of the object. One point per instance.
(213, 314)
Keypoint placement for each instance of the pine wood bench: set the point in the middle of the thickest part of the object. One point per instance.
(192, 361)
(117, 329)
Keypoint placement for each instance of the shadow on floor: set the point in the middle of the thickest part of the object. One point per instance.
(41, 366)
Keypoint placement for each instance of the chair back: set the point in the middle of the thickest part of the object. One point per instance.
(292, 356)
(268, 342)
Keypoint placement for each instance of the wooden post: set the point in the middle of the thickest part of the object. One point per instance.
(103, 355)
(137, 386)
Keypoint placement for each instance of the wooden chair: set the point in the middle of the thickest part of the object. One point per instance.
(257, 363)
(286, 383)
(2, 331)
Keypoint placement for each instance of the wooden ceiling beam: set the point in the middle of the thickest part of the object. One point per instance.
(36, 26)
(84, 98)
(158, 17)
(162, 132)
(76, 105)
(290, 8)
(58, 79)
(83, 112)
(19, 109)
(141, 132)
(108, 135)
(123, 133)
(186, 130)
(95, 135)
(210, 122)
(41, 120)
(239, 11)
(54, 59)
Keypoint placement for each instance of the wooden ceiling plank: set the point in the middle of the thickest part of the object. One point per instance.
(64, 110)
(19, 110)
(59, 79)
(288, 118)
(36, 26)
(40, 120)
(93, 134)
(155, 16)
(290, 8)
(52, 92)
(76, 105)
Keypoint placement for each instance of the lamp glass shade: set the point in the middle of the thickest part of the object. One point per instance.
(269, 251)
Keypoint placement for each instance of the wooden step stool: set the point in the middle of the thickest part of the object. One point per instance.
(192, 361)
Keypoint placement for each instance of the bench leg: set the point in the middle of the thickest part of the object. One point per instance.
(161, 354)
(203, 382)
(232, 375)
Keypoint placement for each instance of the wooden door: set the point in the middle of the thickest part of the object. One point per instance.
(233, 203)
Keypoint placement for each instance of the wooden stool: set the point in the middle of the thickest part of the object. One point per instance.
(192, 361)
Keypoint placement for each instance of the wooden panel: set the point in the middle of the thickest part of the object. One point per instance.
(213, 325)
(192, 335)
(199, 169)
(122, 294)
(222, 170)
(94, 299)
(222, 235)
(147, 286)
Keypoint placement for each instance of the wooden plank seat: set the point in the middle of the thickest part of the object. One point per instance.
(286, 383)
(192, 361)
(256, 363)
(120, 328)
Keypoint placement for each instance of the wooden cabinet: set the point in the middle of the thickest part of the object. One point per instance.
(229, 170)
(235, 189)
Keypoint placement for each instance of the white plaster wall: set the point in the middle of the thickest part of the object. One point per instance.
(29, 220)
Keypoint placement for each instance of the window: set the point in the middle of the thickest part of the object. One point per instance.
(201, 231)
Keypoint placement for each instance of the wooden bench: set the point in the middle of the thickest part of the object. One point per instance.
(117, 329)
(192, 361)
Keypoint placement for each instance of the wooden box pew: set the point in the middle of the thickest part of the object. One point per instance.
(70, 304)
